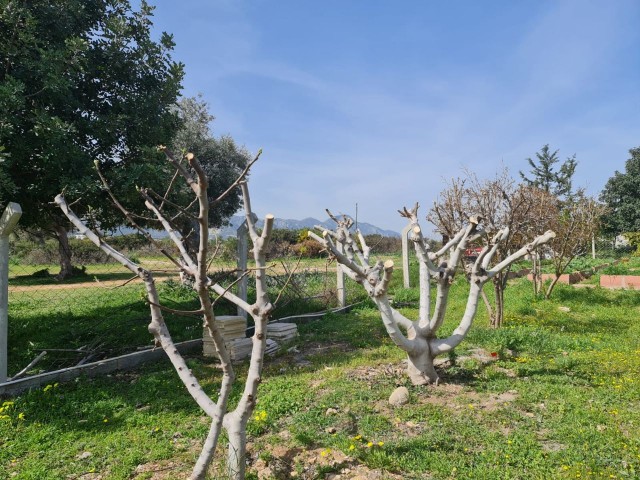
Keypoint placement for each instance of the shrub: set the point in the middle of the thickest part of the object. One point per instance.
(308, 248)
(634, 240)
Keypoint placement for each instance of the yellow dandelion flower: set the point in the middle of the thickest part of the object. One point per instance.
(370, 444)
(380, 444)
(352, 447)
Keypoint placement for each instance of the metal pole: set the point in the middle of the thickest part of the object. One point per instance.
(405, 256)
(8, 222)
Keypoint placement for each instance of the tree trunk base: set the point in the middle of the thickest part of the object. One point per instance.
(421, 370)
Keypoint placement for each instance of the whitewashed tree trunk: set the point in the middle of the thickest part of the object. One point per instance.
(234, 421)
(419, 338)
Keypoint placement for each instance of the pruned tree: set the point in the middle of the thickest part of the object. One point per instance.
(575, 225)
(233, 421)
(419, 338)
(500, 202)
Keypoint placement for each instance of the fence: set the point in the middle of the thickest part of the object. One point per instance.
(101, 312)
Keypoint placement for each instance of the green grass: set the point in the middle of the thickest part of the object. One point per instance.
(113, 318)
(560, 401)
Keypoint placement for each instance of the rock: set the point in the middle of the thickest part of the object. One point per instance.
(84, 455)
(400, 396)
(330, 430)
(331, 411)
(564, 309)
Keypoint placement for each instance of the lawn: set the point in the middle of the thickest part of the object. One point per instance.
(554, 394)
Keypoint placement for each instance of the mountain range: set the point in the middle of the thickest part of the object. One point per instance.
(289, 224)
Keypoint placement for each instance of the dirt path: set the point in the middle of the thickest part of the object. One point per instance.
(93, 284)
(277, 269)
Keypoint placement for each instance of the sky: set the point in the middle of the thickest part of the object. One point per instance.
(378, 103)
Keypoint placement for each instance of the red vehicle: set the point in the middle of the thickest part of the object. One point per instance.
(472, 252)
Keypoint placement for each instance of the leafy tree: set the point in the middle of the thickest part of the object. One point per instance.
(621, 195)
(222, 161)
(545, 176)
(80, 80)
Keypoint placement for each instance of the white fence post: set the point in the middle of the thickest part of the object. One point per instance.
(242, 235)
(340, 290)
(405, 256)
(8, 222)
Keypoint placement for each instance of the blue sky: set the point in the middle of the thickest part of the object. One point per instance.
(376, 102)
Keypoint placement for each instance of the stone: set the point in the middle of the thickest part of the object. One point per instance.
(400, 396)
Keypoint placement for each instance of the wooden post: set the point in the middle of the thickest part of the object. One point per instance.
(8, 222)
(243, 251)
(405, 256)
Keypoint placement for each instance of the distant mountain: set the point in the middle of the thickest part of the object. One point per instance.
(280, 223)
(289, 224)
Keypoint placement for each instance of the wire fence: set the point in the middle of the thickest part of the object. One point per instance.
(101, 311)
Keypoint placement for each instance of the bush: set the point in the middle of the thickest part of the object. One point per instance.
(634, 240)
(309, 248)
(128, 243)
(380, 244)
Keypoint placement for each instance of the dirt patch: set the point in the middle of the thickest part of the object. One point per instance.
(298, 356)
(370, 374)
(164, 470)
(280, 462)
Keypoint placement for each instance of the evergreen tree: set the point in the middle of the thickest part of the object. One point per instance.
(545, 176)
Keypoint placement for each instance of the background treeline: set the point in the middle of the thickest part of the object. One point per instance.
(29, 250)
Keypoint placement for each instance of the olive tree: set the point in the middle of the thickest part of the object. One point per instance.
(418, 338)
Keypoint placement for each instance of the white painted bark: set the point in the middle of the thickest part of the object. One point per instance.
(8, 222)
(235, 421)
(420, 341)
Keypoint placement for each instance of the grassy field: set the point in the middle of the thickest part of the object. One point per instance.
(101, 312)
(554, 394)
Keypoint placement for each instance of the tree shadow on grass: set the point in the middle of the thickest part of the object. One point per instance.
(597, 296)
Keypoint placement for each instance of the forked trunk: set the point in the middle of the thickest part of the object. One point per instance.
(420, 367)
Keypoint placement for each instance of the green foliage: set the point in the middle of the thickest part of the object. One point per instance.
(634, 240)
(544, 175)
(621, 195)
(617, 269)
(220, 158)
(80, 81)
(30, 252)
(308, 248)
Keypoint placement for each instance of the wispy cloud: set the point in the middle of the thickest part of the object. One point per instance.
(387, 137)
